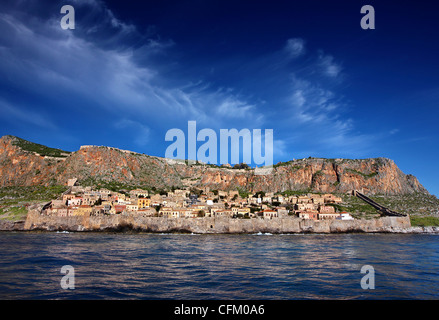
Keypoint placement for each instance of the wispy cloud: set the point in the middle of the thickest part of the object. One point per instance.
(328, 65)
(140, 131)
(107, 70)
(313, 103)
(295, 47)
(320, 122)
(22, 114)
(108, 66)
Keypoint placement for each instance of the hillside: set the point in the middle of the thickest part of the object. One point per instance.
(37, 148)
(24, 163)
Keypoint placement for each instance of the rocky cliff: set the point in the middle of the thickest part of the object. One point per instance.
(21, 165)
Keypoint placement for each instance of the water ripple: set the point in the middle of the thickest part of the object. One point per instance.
(184, 266)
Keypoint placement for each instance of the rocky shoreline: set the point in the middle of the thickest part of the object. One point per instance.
(126, 223)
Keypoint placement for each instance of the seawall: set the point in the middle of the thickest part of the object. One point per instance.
(36, 221)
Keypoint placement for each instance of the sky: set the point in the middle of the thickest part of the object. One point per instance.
(132, 70)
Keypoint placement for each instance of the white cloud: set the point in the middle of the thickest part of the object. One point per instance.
(310, 102)
(295, 47)
(329, 66)
(234, 108)
(48, 59)
(318, 121)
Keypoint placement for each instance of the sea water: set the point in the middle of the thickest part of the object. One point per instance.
(191, 266)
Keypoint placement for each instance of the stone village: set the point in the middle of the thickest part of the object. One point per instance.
(192, 203)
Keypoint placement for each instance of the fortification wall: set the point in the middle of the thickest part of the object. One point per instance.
(36, 221)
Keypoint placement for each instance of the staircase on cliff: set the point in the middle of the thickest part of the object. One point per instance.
(384, 211)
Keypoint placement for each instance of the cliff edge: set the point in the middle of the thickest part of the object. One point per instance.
(24, 163)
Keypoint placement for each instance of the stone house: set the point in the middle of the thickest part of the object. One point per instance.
(147, 212)
(318, 200)
(304, 206)
(330, 198)
(132, 207)
(139, 193)
(292, 199)
(233, 193)
(267, 199)
(186, 213)
(77, 201)
(156, 198)
(329, 216)
(282, 212)
(223, 213)
(97, 210)
(182, 193)
(118, 208)
(240, 211)
(105, 194)
(222, 193)
(64, 212)
(303, 199)
(90, 199)
(269, 214)
(83, 210)
(326, 209)
(173, 213)
(198, 207)
(56, 204)
(68, 197)
(308, 215)
(164, 211)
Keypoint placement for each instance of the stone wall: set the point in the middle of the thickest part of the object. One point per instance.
(36, 221)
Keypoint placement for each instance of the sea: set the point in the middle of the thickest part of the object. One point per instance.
(98, 266)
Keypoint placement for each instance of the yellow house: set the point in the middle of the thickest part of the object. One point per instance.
(83, 210)
(143, 202)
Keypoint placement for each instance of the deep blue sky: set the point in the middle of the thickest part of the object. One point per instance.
(131, 70)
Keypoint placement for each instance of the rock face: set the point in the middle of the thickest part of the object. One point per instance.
(6, 225)
(36, 221)
(19, 167)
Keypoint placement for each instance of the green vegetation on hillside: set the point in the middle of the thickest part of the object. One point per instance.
(415, 205)
(243, 193)
(115, 186)
(356, 207)
(417, 221)
(364, 175)
(14, 201)
(39, 148)
(288, 193)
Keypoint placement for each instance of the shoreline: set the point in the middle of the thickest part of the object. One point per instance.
(35, 221)
(18, 226)
(209, 225)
